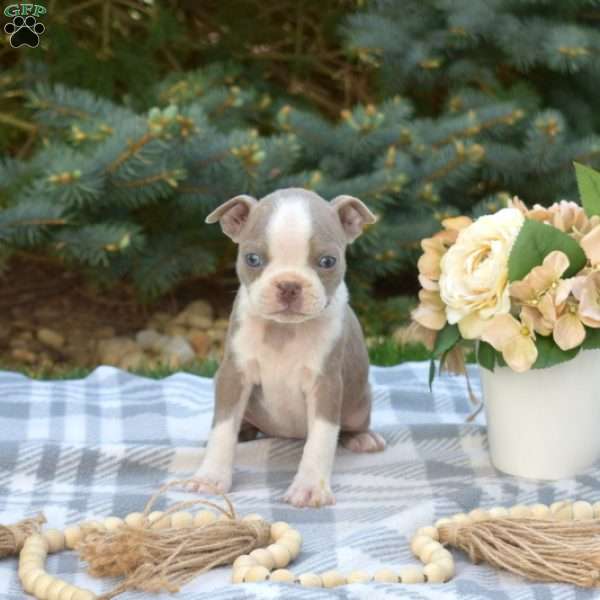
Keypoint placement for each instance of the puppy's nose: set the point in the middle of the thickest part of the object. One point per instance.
(288, 291)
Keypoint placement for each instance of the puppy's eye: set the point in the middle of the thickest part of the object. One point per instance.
(327, 262)
(253, 260)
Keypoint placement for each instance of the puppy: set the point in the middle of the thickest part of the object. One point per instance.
(295, 362)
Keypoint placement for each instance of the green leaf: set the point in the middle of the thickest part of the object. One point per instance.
(431, 372)
(535, 241)
(549, 354)
(486, 356)
(588, 182)
(446, 339)
(592, 339)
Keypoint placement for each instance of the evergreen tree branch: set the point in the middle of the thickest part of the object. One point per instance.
(132, 149)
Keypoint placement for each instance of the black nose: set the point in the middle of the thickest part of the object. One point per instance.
(288, 291)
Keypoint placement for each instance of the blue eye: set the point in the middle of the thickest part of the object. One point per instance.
(253, 260)
(327, 262)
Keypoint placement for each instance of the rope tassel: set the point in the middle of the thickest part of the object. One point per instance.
(539, 549)
(155, 557)
(12, 537)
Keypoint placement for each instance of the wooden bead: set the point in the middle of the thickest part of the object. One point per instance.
(519, 511)
(442, 522)
(204, 517)
(431, 532)
(582, 511)
(292, 534)
(281, 555)
(498, 512)
(245, 560)
(253, 517)
(41, 585)
(292, 546)
(55, 539)
(255, 574)
(135, 520)
(68, 592)
(28, 580)
(72, 536)
(564, 515)
(36, 541)
(411, 574)
(282, 576)
(479, 514)
(84, 595)
(560, 506)
(434, 573)
(359, 577)
(182, 519)
(238, 574)
(461, 519)
(112, 523)
(33, 554)
(332, 579)
(310, 580)
(385, 576)
(95, 525)
(447, 564)
(540, 511)
(53, 592)
(158, 520)
(441, 554)
(278, 529)
(263, 557)
(428, 550)
(419, 542)
(30, 565)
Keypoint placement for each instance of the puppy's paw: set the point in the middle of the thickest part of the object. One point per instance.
(209, 482)
(311, 492)
(364, 441)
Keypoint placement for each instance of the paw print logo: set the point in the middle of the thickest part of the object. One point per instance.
(24, 31)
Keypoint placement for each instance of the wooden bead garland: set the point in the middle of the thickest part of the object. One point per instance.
(269, 563)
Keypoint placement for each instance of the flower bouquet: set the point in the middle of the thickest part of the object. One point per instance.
(521, 288)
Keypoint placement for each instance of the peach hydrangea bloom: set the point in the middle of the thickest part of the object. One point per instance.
(566, 216)
(431, 312)
(535, 291)
(588, 294)
(591, 246)
(514, 339)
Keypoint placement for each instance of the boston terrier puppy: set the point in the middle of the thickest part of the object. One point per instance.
(295, 362)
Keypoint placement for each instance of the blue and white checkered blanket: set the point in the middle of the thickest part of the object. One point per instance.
(101, 446)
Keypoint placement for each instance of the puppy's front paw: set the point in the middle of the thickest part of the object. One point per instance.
(311, 492)
(209, 482)
(365, 441)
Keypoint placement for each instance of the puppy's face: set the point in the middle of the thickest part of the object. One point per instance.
(291, 257)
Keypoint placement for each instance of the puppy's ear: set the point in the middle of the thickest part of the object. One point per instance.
(353, 215)
(233, 215)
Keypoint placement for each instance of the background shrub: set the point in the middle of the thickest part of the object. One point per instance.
(422, 109)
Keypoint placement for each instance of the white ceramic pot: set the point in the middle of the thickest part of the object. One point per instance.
(545, 423)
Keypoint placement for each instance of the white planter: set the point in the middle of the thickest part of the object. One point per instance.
(545, 423)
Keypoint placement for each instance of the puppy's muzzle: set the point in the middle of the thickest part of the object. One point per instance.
(289, 293)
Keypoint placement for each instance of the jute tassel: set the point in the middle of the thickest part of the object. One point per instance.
(539, 549)
(154, 559)
(13, 536)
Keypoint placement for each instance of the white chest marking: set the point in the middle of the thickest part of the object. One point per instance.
(286, 370)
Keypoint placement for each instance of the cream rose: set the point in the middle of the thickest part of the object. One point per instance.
(474, 271)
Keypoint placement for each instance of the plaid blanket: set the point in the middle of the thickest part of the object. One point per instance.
(101, 446)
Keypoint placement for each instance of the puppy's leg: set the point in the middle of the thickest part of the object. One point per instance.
(362, 441)
(311, 485)
(231, 399)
